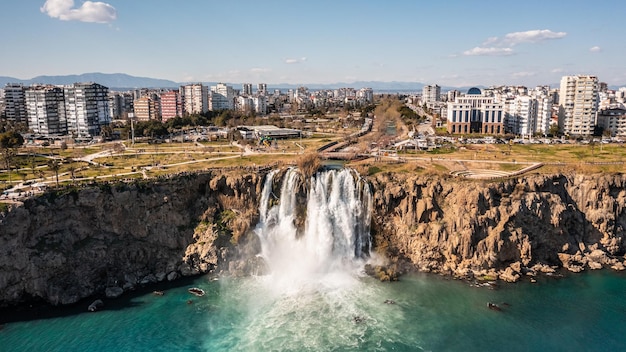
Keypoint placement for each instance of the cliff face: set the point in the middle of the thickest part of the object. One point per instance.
(71, 244)
(504, 229)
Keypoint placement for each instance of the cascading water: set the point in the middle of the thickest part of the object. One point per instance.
(335, 238)
(315, 243)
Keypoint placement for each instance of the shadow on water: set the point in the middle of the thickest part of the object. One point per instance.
(42, 310)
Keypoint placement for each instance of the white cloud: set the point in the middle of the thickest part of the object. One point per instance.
(89, 11)
(259, 70)
(595, 49)
(295, 61)
(495, 46)
(532, 36)
(492, 51)
(557, 70)
(523, 74)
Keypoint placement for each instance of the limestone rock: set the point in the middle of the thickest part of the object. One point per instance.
(172, 276)
(113, 292)
(509, 275)
(72, 243)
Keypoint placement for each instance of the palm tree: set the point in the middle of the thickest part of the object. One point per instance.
(55, 165)
(71, 168)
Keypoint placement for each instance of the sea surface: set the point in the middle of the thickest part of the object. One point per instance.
(344, 312)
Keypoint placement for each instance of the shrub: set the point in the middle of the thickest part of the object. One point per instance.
(308, 164)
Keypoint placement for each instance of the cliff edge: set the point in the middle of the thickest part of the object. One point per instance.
(505, 229)
(104, 239)
(73, 243)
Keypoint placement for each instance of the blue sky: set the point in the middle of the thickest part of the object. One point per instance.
(450, 43)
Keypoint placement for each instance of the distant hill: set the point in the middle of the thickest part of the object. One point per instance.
(111, 80)
(122, 81)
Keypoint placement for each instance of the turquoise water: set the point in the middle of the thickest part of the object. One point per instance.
(584, 312)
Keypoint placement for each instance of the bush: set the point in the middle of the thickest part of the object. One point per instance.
(308, 164)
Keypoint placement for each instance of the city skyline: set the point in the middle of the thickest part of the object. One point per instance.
(450, 44)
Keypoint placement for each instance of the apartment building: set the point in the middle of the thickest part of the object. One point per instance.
(578, 105)
(521, 115)
(431, 94)
(86, 108)
(222, 97)
(146, 108)
(246, 89)
(261, 88)
(613, 120)
(171, 105)
(45, 108)
(195, 98)
(15, 103)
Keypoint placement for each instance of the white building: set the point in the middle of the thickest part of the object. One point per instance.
(222, 97)
(86, 108)
(613, 120)
(195, 98)
(578, 103)
(521, 115)
(246, 89)
(431, 94)
(260, 104)
(475, 113)
(365, 95)
(45, 107)
(544, 115)
(261, 88)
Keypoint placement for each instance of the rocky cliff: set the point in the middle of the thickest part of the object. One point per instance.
(70, 244)
(504, 229)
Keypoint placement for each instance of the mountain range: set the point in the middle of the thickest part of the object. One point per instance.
(111, 80)
(122, 81)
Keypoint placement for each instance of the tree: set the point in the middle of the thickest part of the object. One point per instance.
(554, 130)
(72, 169)
(9, 142)
(55, 165)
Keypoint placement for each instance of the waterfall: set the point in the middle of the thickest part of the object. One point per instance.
(335, 237)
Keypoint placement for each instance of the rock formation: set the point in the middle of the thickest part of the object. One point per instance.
(503, 229)
(98, 240)
(70, 244)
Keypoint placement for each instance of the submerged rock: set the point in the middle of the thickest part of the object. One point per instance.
(95, 306)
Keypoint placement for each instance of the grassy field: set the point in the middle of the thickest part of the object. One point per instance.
(133, 161)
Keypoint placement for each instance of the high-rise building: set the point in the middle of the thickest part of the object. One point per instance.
(195, 98)
(45, 107)
(247, 89)
(366, 95)
(14, 103)
(171, 105)
(222, 97)
(544, 114)
(261, 88)
(521, 115)
(578, 105)
(613, 120)
(260, 104)
(86, 108)
(146, 108)
(475, 113)
(431, 94)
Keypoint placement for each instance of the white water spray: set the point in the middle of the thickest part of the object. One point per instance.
(335, 240)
